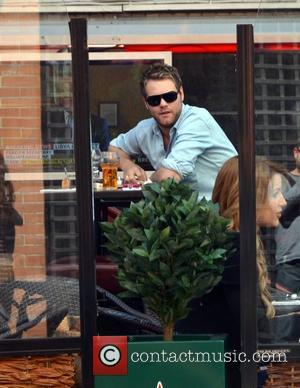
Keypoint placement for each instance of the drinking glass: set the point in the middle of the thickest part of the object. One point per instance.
(109, 162)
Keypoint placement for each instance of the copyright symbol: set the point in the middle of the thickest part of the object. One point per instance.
(109, 355)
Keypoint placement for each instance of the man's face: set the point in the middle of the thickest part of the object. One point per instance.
(165, 113)
(296, 152)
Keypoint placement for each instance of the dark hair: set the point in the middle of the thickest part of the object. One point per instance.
(160, 71)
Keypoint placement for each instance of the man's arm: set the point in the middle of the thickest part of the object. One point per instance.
(131, 171)
(164, 173)
(292, 208)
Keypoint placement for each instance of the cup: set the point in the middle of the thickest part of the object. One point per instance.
(109, 162)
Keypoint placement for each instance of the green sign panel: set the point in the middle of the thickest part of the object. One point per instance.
(181, 363)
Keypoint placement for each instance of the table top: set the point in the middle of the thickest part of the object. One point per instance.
(119, 194)
(114, 195)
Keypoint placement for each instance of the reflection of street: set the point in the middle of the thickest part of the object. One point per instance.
(287, 235)
(33, 154)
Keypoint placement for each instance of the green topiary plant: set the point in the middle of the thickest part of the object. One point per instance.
(169, 249)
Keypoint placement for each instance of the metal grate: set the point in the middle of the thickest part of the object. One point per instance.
(277, 103)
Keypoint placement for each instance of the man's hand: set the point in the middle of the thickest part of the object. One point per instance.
(131, 172)
(163, 174)
(134, 174)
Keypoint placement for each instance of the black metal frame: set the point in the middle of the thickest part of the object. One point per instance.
(248, 276)
(28, 347)
(245, 54)
(84, 190)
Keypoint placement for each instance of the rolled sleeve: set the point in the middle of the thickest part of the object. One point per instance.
(183, 168)
(128, 142)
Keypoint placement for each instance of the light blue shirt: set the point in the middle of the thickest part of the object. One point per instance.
(198, 147)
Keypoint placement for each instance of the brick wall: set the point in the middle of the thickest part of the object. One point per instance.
(20, 126)
(20, 140)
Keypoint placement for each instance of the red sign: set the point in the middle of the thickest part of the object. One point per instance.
(110, 356)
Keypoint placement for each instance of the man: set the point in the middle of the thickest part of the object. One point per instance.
(181, 141)
(296, 172)
(287, 235)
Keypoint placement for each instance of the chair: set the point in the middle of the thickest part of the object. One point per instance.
(23, 304)
(120, 311)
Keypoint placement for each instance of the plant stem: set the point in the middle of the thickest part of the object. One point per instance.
(168, 332)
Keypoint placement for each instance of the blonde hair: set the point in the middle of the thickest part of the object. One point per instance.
(226, 194)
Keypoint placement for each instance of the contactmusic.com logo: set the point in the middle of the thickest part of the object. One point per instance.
(110, 356)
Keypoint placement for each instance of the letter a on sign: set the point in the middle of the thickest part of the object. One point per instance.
(159, 385)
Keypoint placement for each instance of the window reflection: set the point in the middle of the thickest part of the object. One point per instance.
(36, 148)
(277, 138)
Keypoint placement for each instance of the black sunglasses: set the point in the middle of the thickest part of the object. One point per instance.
(168, 97)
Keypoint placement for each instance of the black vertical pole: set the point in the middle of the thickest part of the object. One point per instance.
(248, 276)
(84, 190)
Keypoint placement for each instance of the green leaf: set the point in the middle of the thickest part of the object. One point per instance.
(140, 252)
(165, 233)
(137, 234)
(164, 269)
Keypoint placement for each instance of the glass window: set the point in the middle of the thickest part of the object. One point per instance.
(279, 123)
(39, 289)
(114, 91)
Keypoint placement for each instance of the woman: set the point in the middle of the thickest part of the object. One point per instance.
(219, 311)
(269, 205)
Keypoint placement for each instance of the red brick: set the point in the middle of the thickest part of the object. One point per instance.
(21, 123)
(34, 239)
(31, 134)
(19, 81)
(20, 68)
(30, 112)
(29, 207)
(11, 112)
(9, 92)
(35, 261)
(30, 92)
(33, 249)
(8, 67)
(14, 142)
(21, 102)
(28, 186)
(33, 218)
(33, 229)
(29, 273)
(29, 68)
(32, 17)
(19, 259)
(29, 198)
(11, 133)
(19, 239)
